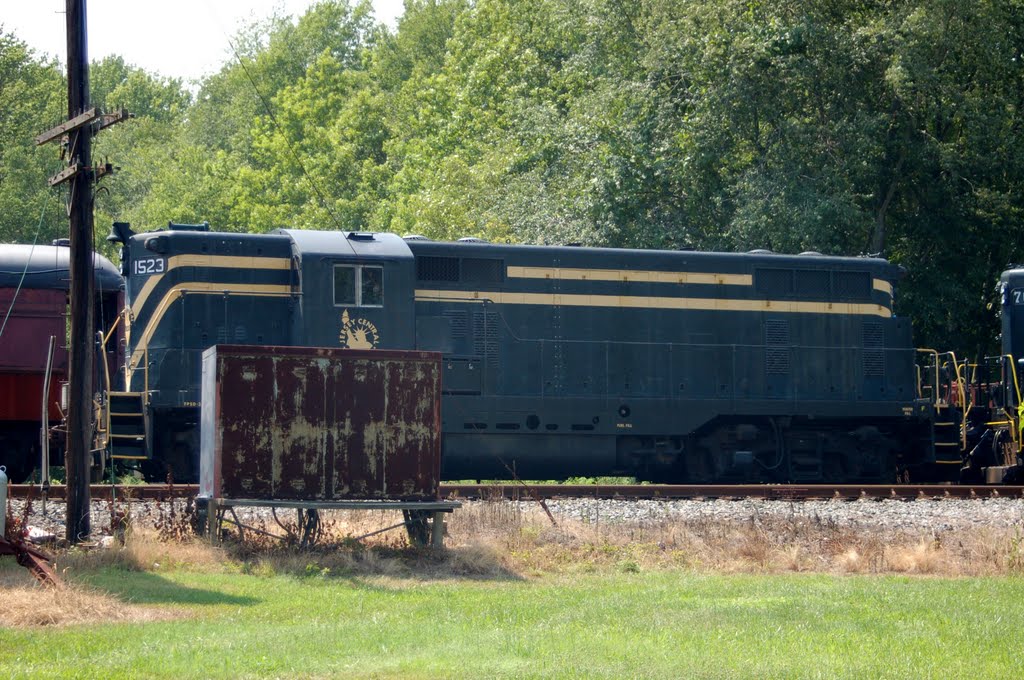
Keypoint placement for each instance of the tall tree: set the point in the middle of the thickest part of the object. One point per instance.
(31, 100)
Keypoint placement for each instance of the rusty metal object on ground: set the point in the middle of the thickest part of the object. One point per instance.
(32, 558)
(302, 423)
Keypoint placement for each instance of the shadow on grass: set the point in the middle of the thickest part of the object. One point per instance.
(358, 563)
(144, 587)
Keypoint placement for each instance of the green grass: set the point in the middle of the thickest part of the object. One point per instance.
(648, 624)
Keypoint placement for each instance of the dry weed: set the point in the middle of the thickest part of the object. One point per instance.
(526, 543)
(143, 550)
(501, 540)
(28, 604)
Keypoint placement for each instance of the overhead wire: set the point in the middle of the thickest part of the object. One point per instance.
(24, 272)
(273, 119)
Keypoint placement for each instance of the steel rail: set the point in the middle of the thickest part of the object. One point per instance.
(715, 491)
(104, 492)
(621, 491)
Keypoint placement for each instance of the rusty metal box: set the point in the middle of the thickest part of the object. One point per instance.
(320, 424)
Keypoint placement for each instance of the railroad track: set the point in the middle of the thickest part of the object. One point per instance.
(515, 491)
(731, 491)
(103, 492)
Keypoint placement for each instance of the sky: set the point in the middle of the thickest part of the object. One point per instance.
(182, 38)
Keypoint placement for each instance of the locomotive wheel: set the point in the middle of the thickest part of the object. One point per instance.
(1002, 448)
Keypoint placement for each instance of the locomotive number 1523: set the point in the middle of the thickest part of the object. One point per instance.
(148, 265)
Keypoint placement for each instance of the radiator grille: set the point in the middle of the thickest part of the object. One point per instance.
(437, 268)
(774, 281)
(812, 283)
(483, 270)
(852, 285)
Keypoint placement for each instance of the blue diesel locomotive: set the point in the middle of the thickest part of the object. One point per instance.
(558, 361)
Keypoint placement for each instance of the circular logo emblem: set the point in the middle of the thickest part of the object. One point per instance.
(357, 333)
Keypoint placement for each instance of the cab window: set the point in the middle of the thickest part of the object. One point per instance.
(344, 286)
(371, 286)
(359, 286)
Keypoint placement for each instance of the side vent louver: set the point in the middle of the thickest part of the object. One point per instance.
(485, 336)
(459, 323)
(776, 351)
(874, 355)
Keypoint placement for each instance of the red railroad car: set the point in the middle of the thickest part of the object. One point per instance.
(33, 307)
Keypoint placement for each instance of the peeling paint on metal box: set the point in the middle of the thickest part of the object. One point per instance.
(297, 423)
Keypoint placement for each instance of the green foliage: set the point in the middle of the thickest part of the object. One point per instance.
(31, 99)
(846, 127)
(600, 481)
(130, 479)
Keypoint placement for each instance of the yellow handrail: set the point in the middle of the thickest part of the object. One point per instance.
(1018, 417)
(106, 380)
(937, 399)
(1016, 386)
(956, 367)
(104, 403)
(972, 380)
(963, 400)
(113, 327)
(127, 367)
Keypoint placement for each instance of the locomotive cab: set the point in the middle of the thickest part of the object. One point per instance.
(189, 289)
(1011, 286)
(355, 290)
(1007, 442)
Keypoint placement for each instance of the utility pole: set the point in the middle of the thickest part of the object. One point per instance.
(79, 438)
(76, 134)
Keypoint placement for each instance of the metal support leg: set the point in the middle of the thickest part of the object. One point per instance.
(437, 530)
(213, 518)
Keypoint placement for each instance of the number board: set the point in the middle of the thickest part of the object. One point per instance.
(148, 265)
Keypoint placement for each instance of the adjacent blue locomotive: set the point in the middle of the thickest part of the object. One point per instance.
(559, 361)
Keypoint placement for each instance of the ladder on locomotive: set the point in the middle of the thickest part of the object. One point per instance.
(998, 406)
(941, 381)
(969, 399)
(122, 426)
(126, 425)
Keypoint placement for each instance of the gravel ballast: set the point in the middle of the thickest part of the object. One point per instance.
(867, 514)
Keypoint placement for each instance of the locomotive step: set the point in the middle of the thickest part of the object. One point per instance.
(127, 431)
